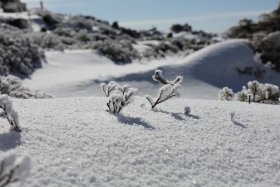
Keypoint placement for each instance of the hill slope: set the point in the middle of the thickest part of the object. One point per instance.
(74, 142)
(230, 63)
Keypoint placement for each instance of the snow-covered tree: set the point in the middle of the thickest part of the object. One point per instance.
(9, 113)
(119, 96)
(167, 91)
(226, 94)
(13, 168)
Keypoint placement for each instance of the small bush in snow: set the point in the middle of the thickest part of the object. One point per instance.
(13, 168)
(167, 91)
(12, 86)
(9, 113)
(119, 96)
(226, 94)
(254, 92)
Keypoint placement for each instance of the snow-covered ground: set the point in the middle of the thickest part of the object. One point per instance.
(75, 142)
(79, 73)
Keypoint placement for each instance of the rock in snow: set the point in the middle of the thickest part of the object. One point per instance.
(75, 142)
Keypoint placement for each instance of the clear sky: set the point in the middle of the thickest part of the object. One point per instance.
(209, 15)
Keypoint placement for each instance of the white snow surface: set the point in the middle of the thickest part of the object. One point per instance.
(205, 72)
(75, 142)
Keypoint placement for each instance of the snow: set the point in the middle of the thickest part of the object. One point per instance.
(186, 35)
(19, 15)
(75, 142)
(205, 72)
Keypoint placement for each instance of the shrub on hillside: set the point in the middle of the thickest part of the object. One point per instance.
(181, 28)
(121, 52)
(46, 41)
(270, 49)
(18, 54)
(12, 86)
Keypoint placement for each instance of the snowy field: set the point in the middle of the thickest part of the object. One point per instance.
(79, 73)
(75, 142)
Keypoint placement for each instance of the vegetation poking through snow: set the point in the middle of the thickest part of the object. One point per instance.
(226, 94)
(18, 54)
(12, 86)
(254, 92)
(264, 36)
(13, 168)
(119, 96)
(167, 91)
(9, 113)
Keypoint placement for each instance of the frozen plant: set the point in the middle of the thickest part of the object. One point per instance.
(232, 115)
(254, 89)
(254, 92)
(243, 95)
(13, 168)
(9, 113)
(187, 110)
(109, 88)
(272, 92)
(119, 96)
(167, 91)
(226, 94)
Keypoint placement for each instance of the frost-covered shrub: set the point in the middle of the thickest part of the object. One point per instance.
(119, 96)
(242, 96)
(255, 92)
(254, 89)
(270, 49)
(13, 168)
(109, 88)
(167, 91)
(18, 54)
(46, 41)
(226, 94)
(9, 113)
(12, 86)
(120, 52)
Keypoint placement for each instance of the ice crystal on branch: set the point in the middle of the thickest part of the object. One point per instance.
(167, 91)
(119, 96)
(109, 88)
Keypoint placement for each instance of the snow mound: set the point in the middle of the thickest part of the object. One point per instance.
(74, 142)
(229, 63)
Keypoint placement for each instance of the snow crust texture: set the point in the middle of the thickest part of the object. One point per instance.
(75, 142)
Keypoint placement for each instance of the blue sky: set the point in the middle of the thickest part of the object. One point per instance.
(209, 15)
